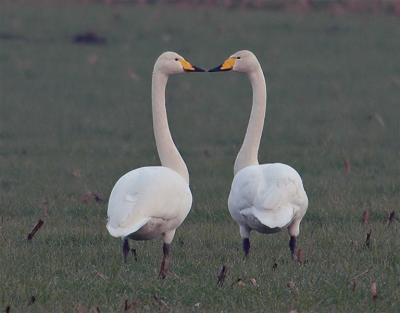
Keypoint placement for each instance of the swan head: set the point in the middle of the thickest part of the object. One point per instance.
(242, 61)
(172, 63)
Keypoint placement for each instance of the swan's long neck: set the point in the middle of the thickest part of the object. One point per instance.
(167, 151)
(248, 154)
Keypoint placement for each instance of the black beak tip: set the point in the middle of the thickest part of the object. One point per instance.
(194, 69)
(216, 69)
(198, 69)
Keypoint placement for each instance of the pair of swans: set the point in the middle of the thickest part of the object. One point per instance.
(152, 202)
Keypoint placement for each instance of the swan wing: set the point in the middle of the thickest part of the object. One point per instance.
(145, 193)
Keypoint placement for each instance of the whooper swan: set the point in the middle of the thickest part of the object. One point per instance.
(151, 202)
(266, 197)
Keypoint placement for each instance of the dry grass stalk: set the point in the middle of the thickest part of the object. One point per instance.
(134, 253)
(353, 285)
(347, 166)
(131, 307)
(222, 276)
(239, 282)
(162, 304)
(101, 275)
(38, 225)
(45, 208)
(82, 309)
(368, 239)
(300, 256)
(391, 217)
(253, 282)
(365, 217)
(90, 196)
(374, 291)
(293, 288)
(32, 300)
(76, 172)
(361, 274)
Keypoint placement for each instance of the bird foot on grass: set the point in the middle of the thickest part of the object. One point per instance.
(164, 270)
(163, 274)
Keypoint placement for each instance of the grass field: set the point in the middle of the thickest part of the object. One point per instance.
(74, 118)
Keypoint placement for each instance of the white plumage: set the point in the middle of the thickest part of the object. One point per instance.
(152, 202)
(266, 197)
(155, 197)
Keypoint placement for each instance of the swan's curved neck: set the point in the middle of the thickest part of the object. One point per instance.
(248, 154)
(167, 151)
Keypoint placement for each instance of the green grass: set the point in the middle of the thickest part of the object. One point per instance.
(330, 82)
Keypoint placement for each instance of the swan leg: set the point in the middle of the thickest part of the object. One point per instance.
(246, 246)
(292, 246)
(294, 230)
(245, 234)
(125, 249)
(165, 261)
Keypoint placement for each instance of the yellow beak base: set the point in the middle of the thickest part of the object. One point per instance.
(188, 67)
(226, 66)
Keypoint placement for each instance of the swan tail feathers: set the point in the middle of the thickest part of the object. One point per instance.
(118, 231)
(277, 218)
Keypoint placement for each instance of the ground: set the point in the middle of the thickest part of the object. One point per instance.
(74, 117)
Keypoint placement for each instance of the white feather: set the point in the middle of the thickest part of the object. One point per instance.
(264, 197)
(272, 194)
(153, 201)
(145, 193)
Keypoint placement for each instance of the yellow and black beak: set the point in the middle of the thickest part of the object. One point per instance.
(226, 66)
(188, 67)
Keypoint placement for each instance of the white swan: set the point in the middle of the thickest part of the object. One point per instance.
(151, 202)
(266, 197)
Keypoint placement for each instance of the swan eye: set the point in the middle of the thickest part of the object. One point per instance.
(176, 59)
(237, 58)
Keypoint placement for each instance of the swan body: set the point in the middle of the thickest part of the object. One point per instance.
(152, 202)
(148, 202)
(267, 197)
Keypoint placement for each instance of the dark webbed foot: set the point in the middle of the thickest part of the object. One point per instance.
(125, 249)
(165, 261)
(292, 246)
(246, 246)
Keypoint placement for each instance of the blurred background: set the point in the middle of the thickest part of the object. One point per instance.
(75, 115)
